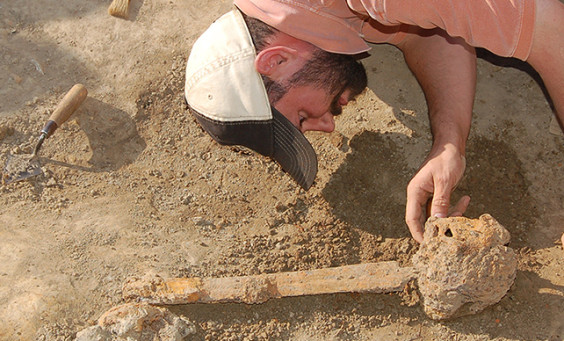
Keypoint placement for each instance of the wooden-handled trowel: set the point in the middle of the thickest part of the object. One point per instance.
(20, 167)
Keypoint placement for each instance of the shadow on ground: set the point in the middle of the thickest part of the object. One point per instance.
(112, 135)
(368, 190)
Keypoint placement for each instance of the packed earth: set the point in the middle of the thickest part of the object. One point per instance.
(131, 186)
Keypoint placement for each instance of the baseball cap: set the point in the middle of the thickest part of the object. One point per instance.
(227, 96)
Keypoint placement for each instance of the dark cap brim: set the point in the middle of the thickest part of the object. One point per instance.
(277, 138)
(293, 151)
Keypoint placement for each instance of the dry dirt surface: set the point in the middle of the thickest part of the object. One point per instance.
(132, 185)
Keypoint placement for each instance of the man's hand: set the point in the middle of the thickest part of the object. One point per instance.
(446, 69)
(437, 178)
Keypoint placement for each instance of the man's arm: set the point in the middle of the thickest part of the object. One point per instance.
(547, 52)
(446, 70)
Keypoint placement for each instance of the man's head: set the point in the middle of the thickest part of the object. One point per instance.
(316, 88)
(249, 84)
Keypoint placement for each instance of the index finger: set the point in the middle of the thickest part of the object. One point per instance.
(441, 202)
(414, 214)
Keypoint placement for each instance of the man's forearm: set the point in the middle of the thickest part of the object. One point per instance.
(547, 52)
(446, 70)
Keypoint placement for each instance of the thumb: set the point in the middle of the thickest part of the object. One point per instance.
(460, 207)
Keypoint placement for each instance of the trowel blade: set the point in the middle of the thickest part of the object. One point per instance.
(20, 167)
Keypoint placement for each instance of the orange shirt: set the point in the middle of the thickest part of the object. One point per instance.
(504, 27)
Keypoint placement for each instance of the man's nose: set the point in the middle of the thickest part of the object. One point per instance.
(324, 123)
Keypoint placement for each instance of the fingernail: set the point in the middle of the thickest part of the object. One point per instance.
(439, 215)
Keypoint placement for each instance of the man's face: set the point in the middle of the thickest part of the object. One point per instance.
(311, 108)
(308, 85)
(317, 91)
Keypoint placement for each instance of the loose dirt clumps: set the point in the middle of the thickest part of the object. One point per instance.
(140, 322)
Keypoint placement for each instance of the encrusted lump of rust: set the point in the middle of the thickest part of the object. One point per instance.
(153, 289)
(463, 265)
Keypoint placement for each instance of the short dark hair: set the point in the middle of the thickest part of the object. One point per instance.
(260, 32)
(332, 71)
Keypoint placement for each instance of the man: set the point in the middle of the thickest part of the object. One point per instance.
(260, 98)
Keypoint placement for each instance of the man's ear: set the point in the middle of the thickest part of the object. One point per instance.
(278, 62)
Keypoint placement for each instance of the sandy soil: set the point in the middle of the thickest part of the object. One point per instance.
(132, 185)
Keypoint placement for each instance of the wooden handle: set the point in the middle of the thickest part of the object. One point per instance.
(72, 100)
